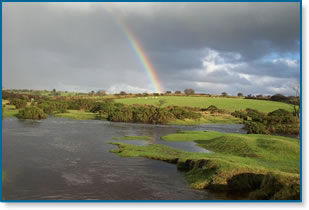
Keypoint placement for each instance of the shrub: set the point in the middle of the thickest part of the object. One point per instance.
(181, 113)
(255, 127)
(255, 115)
(50, 107)
(240, 114)
(31, 112)
(18, 103)
(281, 116)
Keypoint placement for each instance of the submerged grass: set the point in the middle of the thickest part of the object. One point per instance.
(266, 167)
(146, 138)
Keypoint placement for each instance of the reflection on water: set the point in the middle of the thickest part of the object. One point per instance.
(70, 160)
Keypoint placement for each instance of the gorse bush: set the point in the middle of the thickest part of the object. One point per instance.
(140, 114)
(143, 113)
(80, 104)
(213, 109)
(51, 107)
(278, 121)
(255, 115)
(255, 127)
(31, 112)
(18, 103)
(181, 113)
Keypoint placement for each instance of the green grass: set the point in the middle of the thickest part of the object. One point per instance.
(191, 136)
(230, 104)
(9, 111)
(208, 119)
(147, 138)
(255, 163)
(80, 115)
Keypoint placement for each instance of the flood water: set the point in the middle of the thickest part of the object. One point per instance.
(63, 159)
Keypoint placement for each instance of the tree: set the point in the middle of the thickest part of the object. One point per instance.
(123, 93)
(240, 95)
(101, 92)
(168, 92)
(224, 94)
(278, 97)
(189, 91)
(177, 92)
(260, 96)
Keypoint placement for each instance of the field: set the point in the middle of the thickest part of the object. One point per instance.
(230, 104)
(267, 167)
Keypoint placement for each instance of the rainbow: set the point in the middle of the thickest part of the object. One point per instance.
(142, 56)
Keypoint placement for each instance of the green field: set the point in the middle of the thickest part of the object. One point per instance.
(230, 104)
(266, 166)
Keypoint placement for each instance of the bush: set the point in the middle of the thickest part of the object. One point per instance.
(281, 116)
(255, 127)
(255, 115)
(240, 114)
(181, 113)
(31, 112)
(50, 107)
(80, 104)
(18, 103)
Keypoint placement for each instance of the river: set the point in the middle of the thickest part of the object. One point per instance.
(63, 159)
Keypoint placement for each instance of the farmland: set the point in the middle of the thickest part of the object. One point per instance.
(230, 104)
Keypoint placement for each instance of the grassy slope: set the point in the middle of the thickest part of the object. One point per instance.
(230, 104)
(234, 155)
(80, 115)
(147, 138)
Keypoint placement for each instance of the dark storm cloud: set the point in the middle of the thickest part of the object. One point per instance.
(212, 47)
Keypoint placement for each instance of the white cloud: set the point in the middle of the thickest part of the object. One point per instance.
(214, 61)
(289, 62)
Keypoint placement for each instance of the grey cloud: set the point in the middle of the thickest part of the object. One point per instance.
(56, 45)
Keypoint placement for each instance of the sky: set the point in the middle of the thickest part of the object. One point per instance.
(253, 48)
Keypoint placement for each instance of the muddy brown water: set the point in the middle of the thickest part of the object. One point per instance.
(63, 159)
